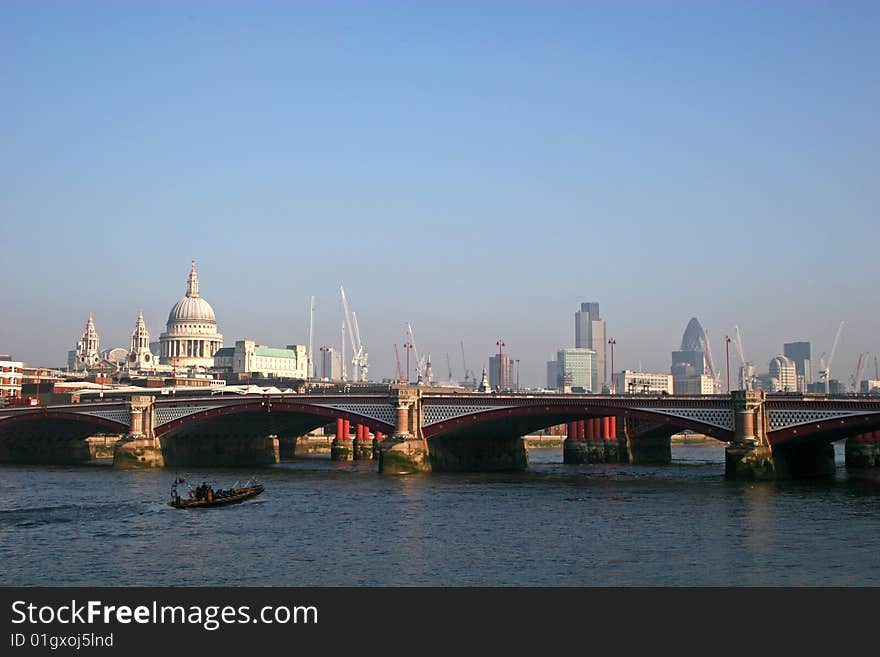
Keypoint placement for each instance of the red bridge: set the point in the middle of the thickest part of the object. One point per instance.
(415, 428)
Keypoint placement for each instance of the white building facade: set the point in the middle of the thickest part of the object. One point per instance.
(10, 378)
(628, 382)
(291, 362)
(783, 375)
(700, 384)
(139, 355)
(85, 355)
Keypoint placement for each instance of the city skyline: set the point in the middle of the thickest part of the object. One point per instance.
(477, 172)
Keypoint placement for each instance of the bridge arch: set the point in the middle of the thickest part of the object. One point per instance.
(55, 436)
(248, 431)
(522, 419)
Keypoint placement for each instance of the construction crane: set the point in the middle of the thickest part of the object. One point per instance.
(715, 375)
(420, 361)
(825, 372)
(449, 367)
(857, 375)
(468, 375)
(359, 358)
(738, 343)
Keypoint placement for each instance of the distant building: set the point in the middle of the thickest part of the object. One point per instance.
(85, 355)
(589, 333)
(139, 355)
(328, 364)
(628, 382)
(576, 370)
(508, 372)
(190, 339)
(799, 353)
(251, 358)
(747, 377)
(835, 387)
(552, 374)
(870, 386)
(699, 384)
(693, 359)
(10, 378)
(783, 370)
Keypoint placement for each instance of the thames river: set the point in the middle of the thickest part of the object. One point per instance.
(321, 523)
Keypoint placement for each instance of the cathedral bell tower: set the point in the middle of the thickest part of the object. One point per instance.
(139, 356)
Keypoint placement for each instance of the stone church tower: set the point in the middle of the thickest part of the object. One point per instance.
(139, 356)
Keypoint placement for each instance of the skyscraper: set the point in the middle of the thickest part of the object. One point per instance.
(507, 371)
(799, 352)
(589, 333)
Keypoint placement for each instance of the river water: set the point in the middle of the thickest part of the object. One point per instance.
(321, 523)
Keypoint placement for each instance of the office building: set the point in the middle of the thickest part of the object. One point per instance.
(783, 375)
(576, 370)
(507, 372)
(799, 353)
(589, 333)
(10, 378)
(628, 382)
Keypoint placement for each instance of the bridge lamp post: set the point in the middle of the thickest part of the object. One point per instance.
(501, 345)
(727, 345)
(408, 346)
(612, 342)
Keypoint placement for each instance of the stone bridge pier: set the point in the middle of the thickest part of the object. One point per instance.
(139, 448)
(406, 450)
(751, 457)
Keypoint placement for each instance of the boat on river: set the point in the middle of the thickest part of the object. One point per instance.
(204, 496)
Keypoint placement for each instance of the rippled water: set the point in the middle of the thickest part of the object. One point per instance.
(322, 523)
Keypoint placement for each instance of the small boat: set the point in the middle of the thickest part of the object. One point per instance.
(204, 496)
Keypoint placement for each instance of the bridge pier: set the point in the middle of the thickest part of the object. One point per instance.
(342, 448)
(362, 447)
(140, 448)
(593, 440)
(574, 448)
(405, 452)
(749, 456)
(863, 451)
(133, 452)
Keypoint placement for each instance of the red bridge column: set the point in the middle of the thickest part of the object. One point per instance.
(342, 449)
(574, 448)
(363, 445)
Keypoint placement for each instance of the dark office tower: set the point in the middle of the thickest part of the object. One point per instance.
(799, 352)
(694, 358)
(589, 333)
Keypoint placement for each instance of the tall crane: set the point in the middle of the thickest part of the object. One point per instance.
(449, 367)
(744, 365)
(825, 373)
(359, 353)
(467, 373)
(857, 375)
(420, 361)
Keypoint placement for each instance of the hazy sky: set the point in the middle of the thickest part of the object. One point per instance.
(476, 168)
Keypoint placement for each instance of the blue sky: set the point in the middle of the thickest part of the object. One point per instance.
(478, 169)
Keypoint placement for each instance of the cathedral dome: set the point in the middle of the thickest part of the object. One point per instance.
(192, 309)
(190, 338)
